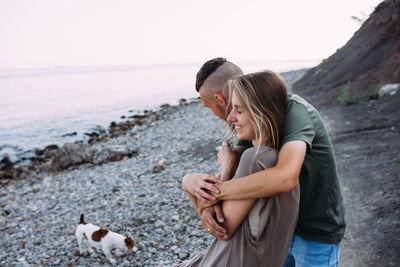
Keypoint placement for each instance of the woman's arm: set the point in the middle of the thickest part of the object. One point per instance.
(281, 178)
(252, 160)
(193, 199)
(228, 158)
(190, 184)
(235, 211)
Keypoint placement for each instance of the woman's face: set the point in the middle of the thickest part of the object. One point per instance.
(241, 119)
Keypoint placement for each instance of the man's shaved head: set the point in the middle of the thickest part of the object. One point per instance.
(211, 83)
(214, 74)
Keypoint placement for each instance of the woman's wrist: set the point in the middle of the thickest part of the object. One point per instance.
(228, 172)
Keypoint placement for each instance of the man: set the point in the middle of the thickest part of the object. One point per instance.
(306, 156)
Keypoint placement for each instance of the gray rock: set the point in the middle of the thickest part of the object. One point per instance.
(71, 154)
(159, 168)
(389, 89)
(104, 153)
(183, 255)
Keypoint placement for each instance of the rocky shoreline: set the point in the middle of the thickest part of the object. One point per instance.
(126, 179)
(93, 150)
(138, 196)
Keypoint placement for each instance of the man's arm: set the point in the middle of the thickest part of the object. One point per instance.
(281, 178)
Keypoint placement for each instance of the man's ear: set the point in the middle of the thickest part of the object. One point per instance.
(220, 99)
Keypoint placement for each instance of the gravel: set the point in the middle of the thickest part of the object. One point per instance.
(139, 196)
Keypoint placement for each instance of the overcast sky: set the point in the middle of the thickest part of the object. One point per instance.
(48, 33)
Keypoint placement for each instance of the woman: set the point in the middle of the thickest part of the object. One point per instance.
(259, 230)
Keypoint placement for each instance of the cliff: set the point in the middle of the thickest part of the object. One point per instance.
(370, 59)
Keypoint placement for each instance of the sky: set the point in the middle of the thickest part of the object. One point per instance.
(50, 33)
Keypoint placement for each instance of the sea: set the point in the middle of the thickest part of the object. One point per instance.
(45, 106)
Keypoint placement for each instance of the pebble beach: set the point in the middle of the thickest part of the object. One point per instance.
(139, 196)
(128, 180)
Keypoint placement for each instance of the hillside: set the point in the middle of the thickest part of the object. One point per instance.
(365, 130)
(369, 59)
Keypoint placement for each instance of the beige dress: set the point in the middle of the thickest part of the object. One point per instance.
(264, 236)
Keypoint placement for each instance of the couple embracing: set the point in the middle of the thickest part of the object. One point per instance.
(277, 200)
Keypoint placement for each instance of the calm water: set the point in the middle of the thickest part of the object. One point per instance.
(39, 106)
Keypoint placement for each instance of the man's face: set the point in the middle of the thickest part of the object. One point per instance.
(212, 103)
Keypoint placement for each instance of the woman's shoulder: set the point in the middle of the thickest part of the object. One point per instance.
(255, 159)
(264, 155)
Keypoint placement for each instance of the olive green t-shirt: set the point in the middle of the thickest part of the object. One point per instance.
(321, 211)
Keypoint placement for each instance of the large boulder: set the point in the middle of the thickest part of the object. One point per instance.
(104, 153)
(79, 153)
(71, 154)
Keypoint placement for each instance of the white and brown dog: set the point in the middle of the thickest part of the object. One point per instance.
(101, 238)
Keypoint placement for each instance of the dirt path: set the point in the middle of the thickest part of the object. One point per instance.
(367, 147)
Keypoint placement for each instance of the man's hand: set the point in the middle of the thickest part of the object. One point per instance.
(200, 185)
(209, 222)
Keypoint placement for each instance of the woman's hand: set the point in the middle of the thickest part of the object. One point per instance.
(228, 159)
(200, 185)
(212, 226)
(201, 205)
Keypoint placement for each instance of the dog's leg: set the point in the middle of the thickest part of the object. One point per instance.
(107, 252)
(90, 249)
(79, 238)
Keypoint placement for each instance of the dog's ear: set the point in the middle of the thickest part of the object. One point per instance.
(129, 243)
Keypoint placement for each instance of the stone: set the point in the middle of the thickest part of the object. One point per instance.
(6, 164)
(389, 89)
(183, 255)
(49, 150)
(159, 224)
(159, 168)
(71, 154)
(69, 134)
(103, 153)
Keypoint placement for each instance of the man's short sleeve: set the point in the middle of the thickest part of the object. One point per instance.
(298, 124)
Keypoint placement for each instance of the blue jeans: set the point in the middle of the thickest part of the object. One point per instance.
(308, 253)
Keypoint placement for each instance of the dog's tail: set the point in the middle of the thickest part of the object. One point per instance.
(82, 220)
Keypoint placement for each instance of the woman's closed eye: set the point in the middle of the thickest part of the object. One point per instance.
(238, 109)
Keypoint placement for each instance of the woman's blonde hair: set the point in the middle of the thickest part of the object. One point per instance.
(264, 97)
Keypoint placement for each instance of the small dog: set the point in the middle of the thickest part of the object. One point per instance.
(101, 238)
